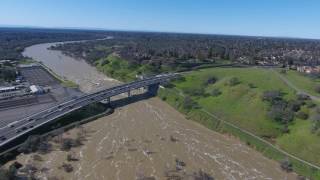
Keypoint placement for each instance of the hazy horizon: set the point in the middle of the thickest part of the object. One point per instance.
(284, 19)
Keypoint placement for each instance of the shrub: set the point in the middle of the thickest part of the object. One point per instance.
(234, 81)
(283, 71)
(295, 105)
(210, 80)
(272, 96)
(215, 92)
(194, 91)
(30, 145)
(68, 143)
(302, 115)
(202, 176)
(317, 89)
(303, 97)
(36, 157)
(285, 129)
(44, 147)
(251, 85)
(280, 113)
(286, 165)
(180, 79)
(67, 167)
(310, 104)
(315, 123)
(189, 104)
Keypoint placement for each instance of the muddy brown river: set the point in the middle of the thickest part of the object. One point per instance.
(147, 139)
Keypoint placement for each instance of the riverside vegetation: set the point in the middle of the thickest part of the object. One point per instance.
(253, 99)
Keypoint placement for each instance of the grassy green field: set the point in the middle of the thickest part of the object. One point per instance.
(242, 106)
(120, 69)
(303, 82)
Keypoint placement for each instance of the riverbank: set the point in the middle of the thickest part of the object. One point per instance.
(150, 139)
(239, 109)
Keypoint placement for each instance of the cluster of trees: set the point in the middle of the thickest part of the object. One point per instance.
(35, 143)
(7, 73)
(178, 50)
(14, 40)
(282, 110)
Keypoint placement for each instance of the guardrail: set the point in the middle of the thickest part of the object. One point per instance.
(34, 121)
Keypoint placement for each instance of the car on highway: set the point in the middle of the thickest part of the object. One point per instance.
(30, 119)
(2, 138)
(11, 125)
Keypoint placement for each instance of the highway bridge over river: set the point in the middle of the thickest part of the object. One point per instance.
(19, 128)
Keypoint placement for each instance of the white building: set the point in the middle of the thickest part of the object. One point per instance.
(36, 89)
(7, 89)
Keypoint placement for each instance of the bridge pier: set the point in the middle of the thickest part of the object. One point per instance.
(153, 89)
(129, 93)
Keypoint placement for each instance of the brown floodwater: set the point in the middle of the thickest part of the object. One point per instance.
(145, 139)
(76, 70)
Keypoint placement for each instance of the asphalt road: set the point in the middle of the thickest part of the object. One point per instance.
(18, 128)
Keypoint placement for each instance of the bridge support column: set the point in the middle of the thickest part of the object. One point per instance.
(153, 89)
(129, 93)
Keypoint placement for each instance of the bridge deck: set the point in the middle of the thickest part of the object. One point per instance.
(23, 126)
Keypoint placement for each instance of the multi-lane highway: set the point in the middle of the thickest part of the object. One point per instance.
(18, 128)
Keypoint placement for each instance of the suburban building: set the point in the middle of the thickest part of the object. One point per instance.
(308, 69)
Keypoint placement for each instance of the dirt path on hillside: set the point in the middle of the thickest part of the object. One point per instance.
(298, 90)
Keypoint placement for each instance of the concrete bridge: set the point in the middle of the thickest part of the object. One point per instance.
(13, 131)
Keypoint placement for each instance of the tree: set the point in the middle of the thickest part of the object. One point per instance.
(281, 113)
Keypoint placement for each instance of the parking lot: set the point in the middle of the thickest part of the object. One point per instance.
(38, 75)
(15, 109)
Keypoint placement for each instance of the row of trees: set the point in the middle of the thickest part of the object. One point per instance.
(14, 40)
(175, 50)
